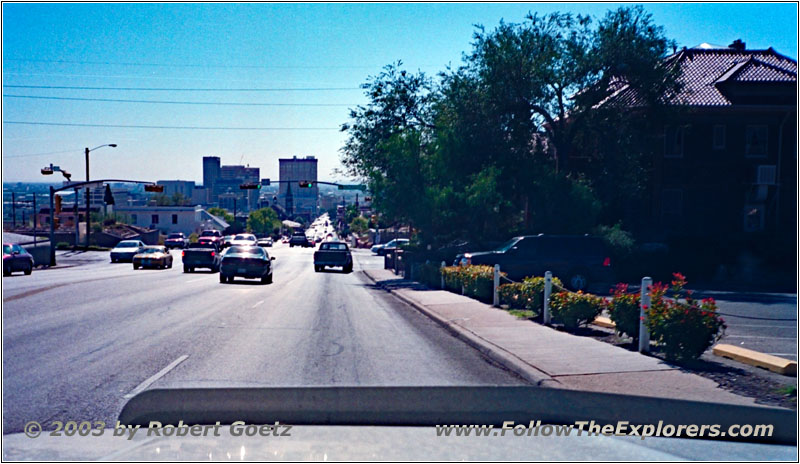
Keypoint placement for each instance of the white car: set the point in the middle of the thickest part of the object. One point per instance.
(244, 240)
(126, 250)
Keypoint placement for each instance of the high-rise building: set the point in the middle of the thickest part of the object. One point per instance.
(211, 172)
(303, 200)
(184, 187)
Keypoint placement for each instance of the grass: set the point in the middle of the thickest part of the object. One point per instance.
(788, 390)
(522, 313)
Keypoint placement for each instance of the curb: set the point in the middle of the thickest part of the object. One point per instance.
(489, 349)
(757, 359)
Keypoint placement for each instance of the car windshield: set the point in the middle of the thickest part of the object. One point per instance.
(6, 249)
(565, 196)
(507, 246)
(245, 250)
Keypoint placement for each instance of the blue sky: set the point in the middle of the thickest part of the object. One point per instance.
(266, 46)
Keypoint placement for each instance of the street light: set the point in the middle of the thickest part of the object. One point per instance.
(88, 199)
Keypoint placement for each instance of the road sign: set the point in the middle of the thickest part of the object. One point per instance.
(363, 188)
(265, 182)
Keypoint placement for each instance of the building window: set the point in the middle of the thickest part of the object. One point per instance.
(174, 218)
(673, 141)
(719, 137)
(753, 218)
(154, 219)
(134, 218)
(756, 141)
(671, 204)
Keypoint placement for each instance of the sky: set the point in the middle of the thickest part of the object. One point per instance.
(292, 69)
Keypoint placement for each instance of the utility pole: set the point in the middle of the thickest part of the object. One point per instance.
(34, 219)
(13, 210)
(88, 202)
(52, 229)
(77, 222)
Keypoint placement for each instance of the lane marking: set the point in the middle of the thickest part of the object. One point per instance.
(257, 304)
(142, 386)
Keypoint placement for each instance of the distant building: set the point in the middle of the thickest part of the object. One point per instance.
(184, 187)
(221, 184)
(211, 172)
(298, 201)
(168, 219)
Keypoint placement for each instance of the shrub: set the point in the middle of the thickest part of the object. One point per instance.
(624, 310)
(429, 274)
(477, 281)
(62, 245)
(528, 294)
(686, 328)
(193, 237)
(575, 309)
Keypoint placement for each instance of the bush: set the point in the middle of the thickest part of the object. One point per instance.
(528, 294)
(624, 311)
(429, 274)
(477, 281)
(193, 237)
(684, 329)
(62, 246)
(575, 309)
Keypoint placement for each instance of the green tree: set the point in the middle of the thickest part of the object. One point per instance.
(221, 213)
(262, 221)
(359, 225)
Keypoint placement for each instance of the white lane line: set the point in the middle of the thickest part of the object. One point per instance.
(141, 387)
(257, 304)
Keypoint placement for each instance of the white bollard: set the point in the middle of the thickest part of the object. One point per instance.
(441, 274)
(644, 334)
(548, 287)
(496, 295)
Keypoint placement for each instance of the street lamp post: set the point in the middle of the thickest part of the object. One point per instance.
(88, 191)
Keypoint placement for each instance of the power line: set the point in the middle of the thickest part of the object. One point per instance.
(173, 102)
(197, 65)
(173, 89)
(127, 126)
(29, 155)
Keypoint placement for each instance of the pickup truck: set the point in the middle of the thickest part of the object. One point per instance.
(211, 237)
(299, 240)
(333, 254)
(202, 255)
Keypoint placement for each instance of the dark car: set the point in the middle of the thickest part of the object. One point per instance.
(15, 258)
(333, 254)
(250, 262)
(176, 240)
(200, 255)
(578, 260)
(300, 240)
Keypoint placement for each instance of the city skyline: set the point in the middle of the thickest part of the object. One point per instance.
(302, 65)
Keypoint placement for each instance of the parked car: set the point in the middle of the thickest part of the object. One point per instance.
(578, 260)
(176, 240)
(300, 240)
(333, 254)
(200, 255)
(244, 240)
(265, 242)
(126, 250)
(251, 262)
(213, 237)
(156, 256)
(16, 258)
(392, 245)
(284, 239)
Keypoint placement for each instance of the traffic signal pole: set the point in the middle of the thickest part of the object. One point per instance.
(52, 228)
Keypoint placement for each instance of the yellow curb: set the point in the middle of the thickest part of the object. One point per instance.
(754, 358)
(603, 321)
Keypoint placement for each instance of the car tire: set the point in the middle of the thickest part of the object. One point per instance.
(269, 278)
(348, 269)
(28, 270)
(186, 269)
(222, 278)
(135, 266)
(170, 264)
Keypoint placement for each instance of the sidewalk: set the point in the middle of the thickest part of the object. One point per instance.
(548, 357)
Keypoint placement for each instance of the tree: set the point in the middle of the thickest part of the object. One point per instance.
(359, 225)
(262, 221)
(221, 213)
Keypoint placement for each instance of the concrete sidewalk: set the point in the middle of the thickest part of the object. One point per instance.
(549, 357)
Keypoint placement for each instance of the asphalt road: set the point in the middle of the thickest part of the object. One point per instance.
(78, 342)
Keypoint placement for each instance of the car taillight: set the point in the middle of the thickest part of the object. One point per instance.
(183, 253)
(212, 254)
(607, 262)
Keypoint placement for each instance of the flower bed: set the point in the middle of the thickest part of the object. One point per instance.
(574, 309)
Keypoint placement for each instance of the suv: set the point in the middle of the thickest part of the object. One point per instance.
(299, 239)
(578, 260)
(211, 237)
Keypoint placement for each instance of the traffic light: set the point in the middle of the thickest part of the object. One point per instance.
(305, 184)
(250, 186)
(153, 188)
(58, 204)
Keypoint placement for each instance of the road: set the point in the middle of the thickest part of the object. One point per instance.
(79, 341)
